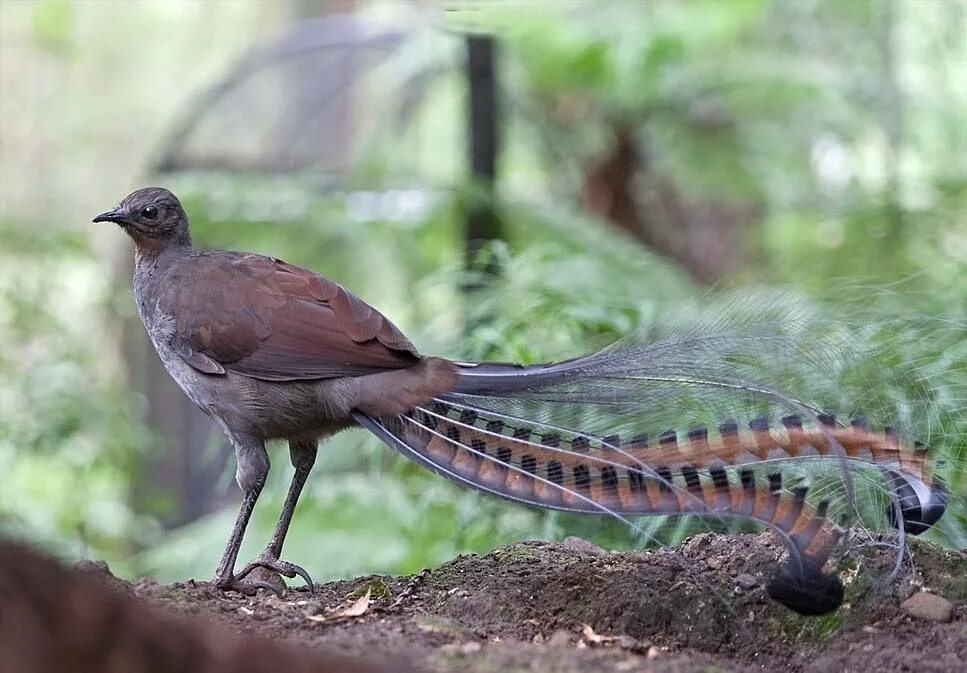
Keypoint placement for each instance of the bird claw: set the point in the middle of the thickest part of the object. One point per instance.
(273, 564)
(246, 587)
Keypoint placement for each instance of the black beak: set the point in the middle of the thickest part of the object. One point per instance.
(117, 216)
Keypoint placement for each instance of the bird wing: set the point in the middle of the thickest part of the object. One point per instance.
(269, 320)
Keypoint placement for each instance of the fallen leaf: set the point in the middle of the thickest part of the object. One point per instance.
(593, 638)
(357, 609)
(378, 588)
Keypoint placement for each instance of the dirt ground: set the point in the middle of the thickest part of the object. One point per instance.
(570, 607)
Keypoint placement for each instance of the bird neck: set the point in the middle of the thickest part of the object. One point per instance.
(155, 252)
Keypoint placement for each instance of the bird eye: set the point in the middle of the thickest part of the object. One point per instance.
(149, 212)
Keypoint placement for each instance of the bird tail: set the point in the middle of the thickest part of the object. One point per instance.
(515, 464)
(571, 436)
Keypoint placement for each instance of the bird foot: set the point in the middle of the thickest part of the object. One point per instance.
(266, 561)
(248, 586)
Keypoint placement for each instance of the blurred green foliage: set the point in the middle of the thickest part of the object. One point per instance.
(790, 105)
(70, 437)
(52, 25)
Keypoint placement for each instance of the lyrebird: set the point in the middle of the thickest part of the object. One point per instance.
(274, 351)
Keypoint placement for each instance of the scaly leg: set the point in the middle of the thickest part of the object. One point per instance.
(303, 456)
(253, 467)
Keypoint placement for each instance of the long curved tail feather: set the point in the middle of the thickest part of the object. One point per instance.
(571, 436)
(518, 469)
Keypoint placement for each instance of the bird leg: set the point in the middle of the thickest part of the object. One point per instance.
(303, 456)
(253, 467)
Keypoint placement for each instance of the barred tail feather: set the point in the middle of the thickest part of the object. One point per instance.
(514, 467)
(569, 435)
(610, 385)
(735, 474)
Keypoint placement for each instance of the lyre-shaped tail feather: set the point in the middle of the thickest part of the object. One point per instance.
(634, 384)
(617, 483)
(567, 436)
(734, 474)
(910, 476)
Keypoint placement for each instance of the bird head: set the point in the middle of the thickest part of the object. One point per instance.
(152, 216)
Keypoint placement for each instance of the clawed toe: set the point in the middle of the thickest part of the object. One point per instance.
(248, 587)
(283, 568)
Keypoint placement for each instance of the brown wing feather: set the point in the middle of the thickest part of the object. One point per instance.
(270, 320)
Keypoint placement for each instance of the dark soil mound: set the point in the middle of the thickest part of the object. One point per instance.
(536, 606)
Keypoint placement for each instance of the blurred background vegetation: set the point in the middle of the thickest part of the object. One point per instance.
(649, 154)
